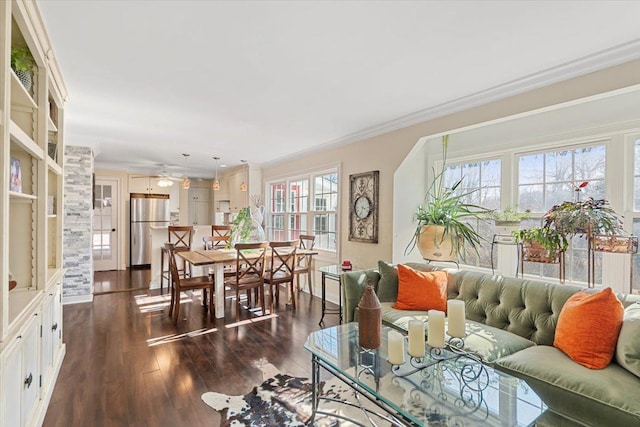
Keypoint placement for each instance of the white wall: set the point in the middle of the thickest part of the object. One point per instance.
(402, 176)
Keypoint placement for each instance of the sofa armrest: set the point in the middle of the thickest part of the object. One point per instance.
(353, 286)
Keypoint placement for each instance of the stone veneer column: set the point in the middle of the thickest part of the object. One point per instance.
(77, 224)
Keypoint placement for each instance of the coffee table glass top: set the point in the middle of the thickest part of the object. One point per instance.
(447, 393)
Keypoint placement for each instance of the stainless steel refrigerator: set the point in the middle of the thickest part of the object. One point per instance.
(146, 210)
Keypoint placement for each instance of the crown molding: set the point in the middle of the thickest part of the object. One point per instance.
(587, 64)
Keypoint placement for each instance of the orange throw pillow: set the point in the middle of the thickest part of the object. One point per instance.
(588, 328)
(421, 290)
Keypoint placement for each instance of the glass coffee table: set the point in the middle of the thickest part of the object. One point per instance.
(453, 392)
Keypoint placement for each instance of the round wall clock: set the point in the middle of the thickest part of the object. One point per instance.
(363, 207)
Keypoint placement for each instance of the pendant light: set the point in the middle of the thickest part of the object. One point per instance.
(186, 182)
(243, 186)
(216, 183)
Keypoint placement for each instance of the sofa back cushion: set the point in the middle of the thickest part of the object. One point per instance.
(628, 346)
(524, 307)
(388, 283)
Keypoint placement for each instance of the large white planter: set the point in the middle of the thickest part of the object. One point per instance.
(434, 245)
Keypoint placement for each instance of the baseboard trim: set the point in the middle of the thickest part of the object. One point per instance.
(77, 299)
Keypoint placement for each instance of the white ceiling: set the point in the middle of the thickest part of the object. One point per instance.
(149, 80)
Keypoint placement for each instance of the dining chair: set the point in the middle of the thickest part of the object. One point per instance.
(249, 274)
(281, 270)
(179, 284)
(219, 239)
(303, 262)
(181, 236)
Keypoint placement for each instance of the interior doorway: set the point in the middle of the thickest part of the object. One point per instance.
(105, 221)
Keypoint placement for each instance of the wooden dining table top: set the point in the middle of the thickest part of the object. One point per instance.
(212, 256)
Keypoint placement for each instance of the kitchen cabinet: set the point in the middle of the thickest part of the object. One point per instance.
(199, 213)
(199, 206)
(147, 185)
(199, 194)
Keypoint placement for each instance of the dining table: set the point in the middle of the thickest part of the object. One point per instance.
(217, 258)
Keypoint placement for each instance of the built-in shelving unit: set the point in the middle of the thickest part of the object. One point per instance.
(31, 192)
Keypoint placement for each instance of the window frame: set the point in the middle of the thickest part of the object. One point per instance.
(311, 213)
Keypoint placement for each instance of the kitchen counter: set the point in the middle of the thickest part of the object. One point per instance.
(159, 237)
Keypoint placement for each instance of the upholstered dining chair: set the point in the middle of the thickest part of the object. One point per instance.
(249, 274)
(281, 270)
(181, 236)
(179, 284)
(303, 262)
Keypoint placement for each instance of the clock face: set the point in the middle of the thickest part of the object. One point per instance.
(362, 207)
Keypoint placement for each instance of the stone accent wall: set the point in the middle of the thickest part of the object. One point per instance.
(77, 224)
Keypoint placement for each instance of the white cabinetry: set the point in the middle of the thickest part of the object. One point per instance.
(147, 185)
(199, 206)
(32, 134)
(21, 376)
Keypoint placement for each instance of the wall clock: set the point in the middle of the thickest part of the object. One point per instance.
(363, 207)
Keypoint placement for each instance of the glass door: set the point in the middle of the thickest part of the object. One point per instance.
(105, 219)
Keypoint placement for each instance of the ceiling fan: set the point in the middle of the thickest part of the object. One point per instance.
(166, 179)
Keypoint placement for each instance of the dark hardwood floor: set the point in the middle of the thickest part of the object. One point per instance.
(127, 365)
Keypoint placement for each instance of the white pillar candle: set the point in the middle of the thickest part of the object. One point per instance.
(456, 313)
(416, 338)
(435, 336)
(395, 342)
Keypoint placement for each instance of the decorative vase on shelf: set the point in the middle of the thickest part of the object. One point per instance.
(369, 319)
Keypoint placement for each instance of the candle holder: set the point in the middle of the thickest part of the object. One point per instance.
(453, 350)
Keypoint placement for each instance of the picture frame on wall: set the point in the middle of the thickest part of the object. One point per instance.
(15, 177)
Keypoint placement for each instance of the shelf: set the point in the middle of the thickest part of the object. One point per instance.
(54, 167)
(23, 196)
(24, 141)
(51, 126)
(19, 95)
(52, 216)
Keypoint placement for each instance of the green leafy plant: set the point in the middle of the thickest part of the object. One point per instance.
(547, 237)
(21, 60)
(241, 226)
(509, 214)
(447, 207)
(590, 216)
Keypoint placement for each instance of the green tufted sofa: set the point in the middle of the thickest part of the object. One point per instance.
(511, 323)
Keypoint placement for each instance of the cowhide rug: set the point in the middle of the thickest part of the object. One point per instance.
(284, 400)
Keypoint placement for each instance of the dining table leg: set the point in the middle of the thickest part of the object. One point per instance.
(219, 297)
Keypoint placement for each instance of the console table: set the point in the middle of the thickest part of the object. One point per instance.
(442, 393)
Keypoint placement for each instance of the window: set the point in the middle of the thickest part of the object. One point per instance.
(548, 178)
(299, 217)
(481, 180)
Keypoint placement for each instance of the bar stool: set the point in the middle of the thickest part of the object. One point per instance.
(181, 236)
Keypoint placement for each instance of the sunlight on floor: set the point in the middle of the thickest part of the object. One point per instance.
(176, 337)
(155, 303)
(249, 321)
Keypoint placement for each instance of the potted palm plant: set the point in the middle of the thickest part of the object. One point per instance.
(23, 65)
(443, 221)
